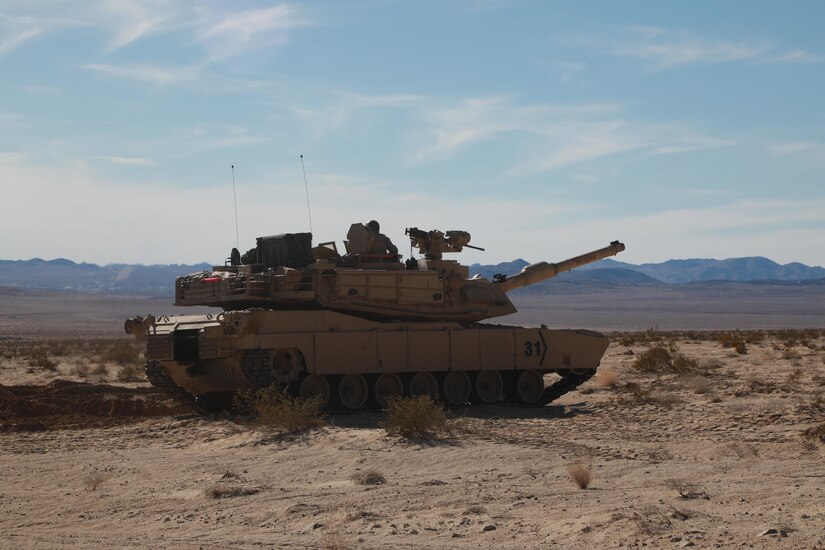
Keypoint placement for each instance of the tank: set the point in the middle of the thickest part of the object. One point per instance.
(359, 328)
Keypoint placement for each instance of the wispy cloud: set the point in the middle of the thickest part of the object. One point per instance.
(229, 34)
(146, 73)
(795, 57)
(666, 49)
(560, 135)
(808, 148)
(14, 31)
(125, 161)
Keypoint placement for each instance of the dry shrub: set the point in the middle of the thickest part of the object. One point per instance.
(698, 384)
(131, 373)
(789, 353)
(794, 376)
(39, 358)
(650, 521)
(632, 394)
(580, 474)
(369, 477)
(475, 510)
(665, 360)
(607, 378)
(93, 480)
(656, 359)
(219, 490)
(736, 341)
(122, 352)
(272, 409)
(333, 538)
(415, 417)
(686, 489)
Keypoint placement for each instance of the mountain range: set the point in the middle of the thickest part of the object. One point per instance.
(158, 280)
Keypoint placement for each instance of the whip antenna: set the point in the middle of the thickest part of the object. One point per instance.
(235, 196)
(306, 187)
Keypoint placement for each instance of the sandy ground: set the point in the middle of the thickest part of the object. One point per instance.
(731, 442)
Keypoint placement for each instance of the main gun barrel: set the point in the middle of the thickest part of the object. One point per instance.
(541, 271)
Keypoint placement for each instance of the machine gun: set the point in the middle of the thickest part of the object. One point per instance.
(434, 243)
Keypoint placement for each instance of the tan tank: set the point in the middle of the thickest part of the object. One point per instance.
(361, 328)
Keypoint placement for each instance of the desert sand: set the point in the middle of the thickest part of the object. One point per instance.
(140, 471)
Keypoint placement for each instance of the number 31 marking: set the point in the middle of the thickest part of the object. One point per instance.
(532, 348)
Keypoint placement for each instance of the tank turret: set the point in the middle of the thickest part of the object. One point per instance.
(285, 272)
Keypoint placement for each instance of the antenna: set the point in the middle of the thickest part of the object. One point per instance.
(306, 187)
(235, 195)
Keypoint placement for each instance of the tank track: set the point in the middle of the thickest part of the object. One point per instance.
(564, 385)
(158, 377)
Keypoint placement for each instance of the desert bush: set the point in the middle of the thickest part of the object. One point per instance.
(475, 510)
(129, 373)
(122, 352)
(790, 353)
(655, 359)
(650, 521)
(415, 417)
(683, 364)
(369, 477)
(734, 340)
(93, 480)
(698, 384)
(686, 489)
(271, 408)
(39, 358)
(661, 360)
(581, 475)
(633, 394)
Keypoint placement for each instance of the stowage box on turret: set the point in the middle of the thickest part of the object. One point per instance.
(362, 327)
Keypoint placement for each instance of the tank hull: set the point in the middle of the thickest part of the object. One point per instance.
(236, 350)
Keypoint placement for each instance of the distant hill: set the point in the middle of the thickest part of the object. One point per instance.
(63, 274)
(159, 280)
(754, 268)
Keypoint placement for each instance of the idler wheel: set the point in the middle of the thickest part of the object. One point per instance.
(457, 387)
(489, 386)
(353, 391)
(424, 383)
(315, 385)
(529, 386)
(387, 387)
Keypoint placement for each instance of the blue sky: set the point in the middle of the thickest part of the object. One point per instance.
(546, 129)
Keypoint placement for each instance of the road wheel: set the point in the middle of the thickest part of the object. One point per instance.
(456, 387)
(529, 386)
(353, 391)
(489, 386)
(386, 388)
(424, 383)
